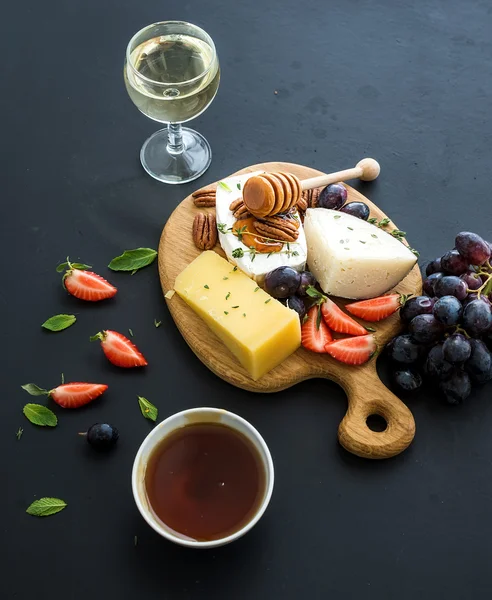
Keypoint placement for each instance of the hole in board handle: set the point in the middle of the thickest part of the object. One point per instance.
(376, 423)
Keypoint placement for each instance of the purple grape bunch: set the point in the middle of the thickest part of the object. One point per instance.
(447, 339)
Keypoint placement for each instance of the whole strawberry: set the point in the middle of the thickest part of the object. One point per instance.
(84, 284)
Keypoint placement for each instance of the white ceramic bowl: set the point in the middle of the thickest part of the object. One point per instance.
(187, 417)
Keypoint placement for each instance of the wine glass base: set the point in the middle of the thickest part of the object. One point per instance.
(176, 168)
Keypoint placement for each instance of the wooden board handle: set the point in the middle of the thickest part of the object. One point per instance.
(367, 396)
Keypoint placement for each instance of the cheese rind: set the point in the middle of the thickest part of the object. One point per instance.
(261, 264)
(263, 338)
(351, 258)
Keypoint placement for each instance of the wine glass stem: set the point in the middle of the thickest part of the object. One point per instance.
(175, 138)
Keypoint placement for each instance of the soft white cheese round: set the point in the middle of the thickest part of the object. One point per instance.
(258, 265)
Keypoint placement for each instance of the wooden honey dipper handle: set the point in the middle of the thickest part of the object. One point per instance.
(269, 194)
(367, 169)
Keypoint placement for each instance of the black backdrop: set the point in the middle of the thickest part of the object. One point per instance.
(409, 85)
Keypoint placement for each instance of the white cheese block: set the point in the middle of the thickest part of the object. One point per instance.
(351, 258)
(258, 265)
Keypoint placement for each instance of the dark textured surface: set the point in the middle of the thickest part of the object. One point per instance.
(407, 83)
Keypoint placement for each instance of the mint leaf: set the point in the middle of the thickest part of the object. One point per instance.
(313, 293)
(44, 507)
(132, 260)
(149, 411)
(34, 390)
(59, 322)
(224, 186)
(40, 415)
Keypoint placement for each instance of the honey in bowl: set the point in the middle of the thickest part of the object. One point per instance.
(205, 481)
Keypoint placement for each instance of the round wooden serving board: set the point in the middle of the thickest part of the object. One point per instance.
(365, 392)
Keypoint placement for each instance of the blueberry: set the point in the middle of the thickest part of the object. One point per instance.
(102, 436)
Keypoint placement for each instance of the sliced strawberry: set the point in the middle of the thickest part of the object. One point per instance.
(119, 350)
(337, 320)
(314, 331)
(352, 351)
(84, 284)
(69, 395)
(73, 395)
(377, 309)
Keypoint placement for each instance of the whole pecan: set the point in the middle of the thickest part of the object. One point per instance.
(205, 231)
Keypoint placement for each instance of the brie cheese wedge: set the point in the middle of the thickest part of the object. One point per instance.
(255, 265)
(351, 258)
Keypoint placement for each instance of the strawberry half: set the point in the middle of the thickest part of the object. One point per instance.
(315, 334)
(119, 350)
(337, 320)
(352, 351)
(377, 309)
(69, 395)
(84, 284)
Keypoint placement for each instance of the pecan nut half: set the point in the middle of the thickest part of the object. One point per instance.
(205, 191)
(205, 200)
(278, 228)
(205, 231)
(239, 209)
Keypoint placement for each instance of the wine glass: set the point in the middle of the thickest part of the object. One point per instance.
(172, 75)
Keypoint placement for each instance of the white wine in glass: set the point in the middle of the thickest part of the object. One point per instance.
(172, 75)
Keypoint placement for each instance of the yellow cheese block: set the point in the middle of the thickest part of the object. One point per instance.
(259, 330)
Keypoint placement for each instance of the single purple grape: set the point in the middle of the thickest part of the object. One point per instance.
(450, 285)
(307, 279)
(425, 329)
(448, 310)
(433, 267)
(456, 349)
(472, 280)
(453, 263)
(456, 387)
(435, 365)
(472, 247)
(430, 282)
(356, 209)
(477, 317)
(296, 303)
(419, 305)
(282, 282)
(479, 365)
(407, 380)
(333, 196)
(404, 349)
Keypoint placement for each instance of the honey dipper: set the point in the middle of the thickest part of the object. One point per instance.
(271, 193)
